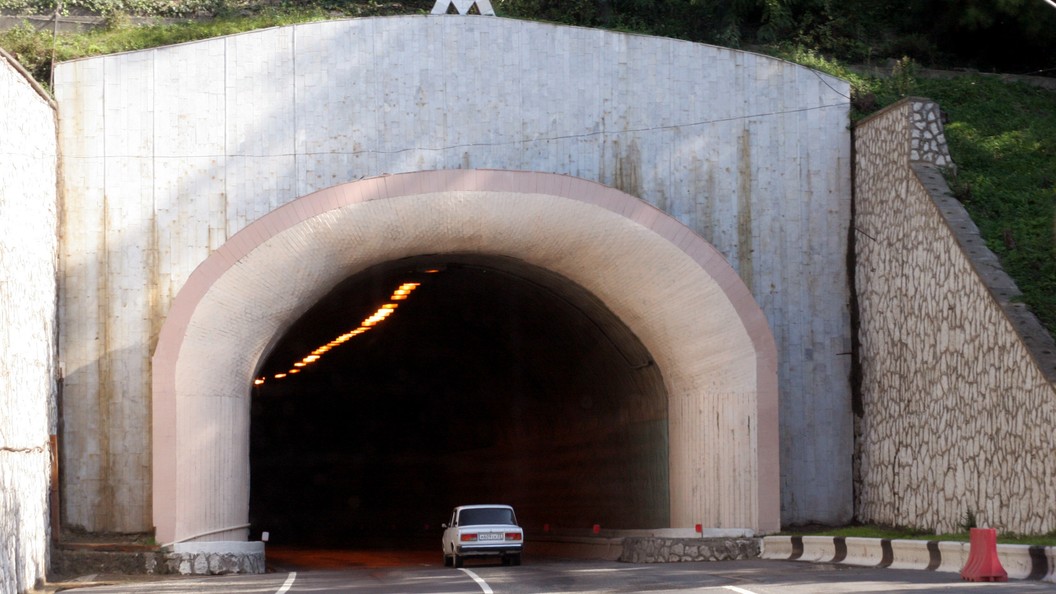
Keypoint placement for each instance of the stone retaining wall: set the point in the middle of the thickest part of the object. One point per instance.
(675, 550)
(957, 404)
(72, 560)
(27, 326)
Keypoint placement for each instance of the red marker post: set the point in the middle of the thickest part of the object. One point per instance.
(983, 564)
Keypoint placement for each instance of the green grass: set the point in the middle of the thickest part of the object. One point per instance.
(1002, 136)
(894, 533)
(33, 48)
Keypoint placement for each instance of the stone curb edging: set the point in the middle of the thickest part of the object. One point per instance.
(1022, 562)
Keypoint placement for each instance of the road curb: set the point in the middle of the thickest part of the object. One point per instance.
(1022, 562)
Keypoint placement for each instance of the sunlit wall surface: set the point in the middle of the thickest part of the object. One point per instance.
(634, 273)
(27, 328)
(170, 152)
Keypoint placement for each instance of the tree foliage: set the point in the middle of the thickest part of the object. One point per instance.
(1008, 35)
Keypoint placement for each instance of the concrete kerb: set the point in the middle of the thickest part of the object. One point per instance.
(1022, 562)
(858, 551)
(952, 556)
(818, 548)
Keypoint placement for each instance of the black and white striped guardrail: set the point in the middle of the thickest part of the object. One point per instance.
(1023, 562)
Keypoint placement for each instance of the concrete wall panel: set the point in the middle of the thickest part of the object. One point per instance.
(749, 152)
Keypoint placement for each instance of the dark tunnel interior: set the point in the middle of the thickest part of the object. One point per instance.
(492, 382)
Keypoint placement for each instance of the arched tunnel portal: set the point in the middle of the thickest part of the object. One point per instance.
(577, 353)
(492, 381)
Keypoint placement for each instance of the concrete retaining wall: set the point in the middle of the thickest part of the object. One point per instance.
(170, 152)
(222, 558)
(27, 326)
(677, 550)
(957, 403)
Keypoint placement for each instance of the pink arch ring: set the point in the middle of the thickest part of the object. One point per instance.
(671, 287)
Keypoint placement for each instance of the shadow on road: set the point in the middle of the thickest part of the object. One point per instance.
(305, 559)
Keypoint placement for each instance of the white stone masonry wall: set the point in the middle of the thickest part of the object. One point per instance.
(27, 327)
(959, 408)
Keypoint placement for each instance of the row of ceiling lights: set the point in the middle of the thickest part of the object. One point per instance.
(400, 294)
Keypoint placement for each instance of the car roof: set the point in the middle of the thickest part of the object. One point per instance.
(484, 505)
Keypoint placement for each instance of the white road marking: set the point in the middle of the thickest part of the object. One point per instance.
(287, 584)
(484, 587)
(738, 590)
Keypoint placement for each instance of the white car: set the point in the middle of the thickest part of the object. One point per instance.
(482, 531)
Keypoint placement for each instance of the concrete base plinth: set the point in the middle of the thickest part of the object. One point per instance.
(215, 558)
(677, 550)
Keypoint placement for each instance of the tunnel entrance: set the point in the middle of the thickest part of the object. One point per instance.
(491, 381)
(668, 297)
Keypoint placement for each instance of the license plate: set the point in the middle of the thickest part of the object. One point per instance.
(488, 536)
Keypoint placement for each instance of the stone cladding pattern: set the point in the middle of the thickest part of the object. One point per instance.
(957, 399)
(27, 326)
(677, 550)
(927, 139)
(209, 563)
(84, 562)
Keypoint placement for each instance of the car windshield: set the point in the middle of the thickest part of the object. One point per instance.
(486, 515)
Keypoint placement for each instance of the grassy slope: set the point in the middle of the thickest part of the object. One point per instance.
(34, 48)
(1003, 139)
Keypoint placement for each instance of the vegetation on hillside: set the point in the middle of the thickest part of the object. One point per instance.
(1003, 139)
(1009, 35)
(1002, 135)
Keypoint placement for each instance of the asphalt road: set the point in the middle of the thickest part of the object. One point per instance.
(321, 572)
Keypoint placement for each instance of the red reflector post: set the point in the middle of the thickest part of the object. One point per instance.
(468, 537)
